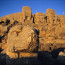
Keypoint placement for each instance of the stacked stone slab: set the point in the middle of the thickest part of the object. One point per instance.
(51, 16)
(27, 14)
(39, 17)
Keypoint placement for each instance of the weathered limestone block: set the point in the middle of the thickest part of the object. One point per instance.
(22, 38)
(51, 16)
(39, 17)
(26, 13)
(61, 20)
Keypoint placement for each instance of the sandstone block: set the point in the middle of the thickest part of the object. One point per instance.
(22, 38)
(39, 17)
(51, 16)
(26, 12)
(12, 55)
(27, 55)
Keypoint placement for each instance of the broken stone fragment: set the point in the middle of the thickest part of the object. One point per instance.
(22, 38)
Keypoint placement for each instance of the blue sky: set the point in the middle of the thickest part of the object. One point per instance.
(14, 6)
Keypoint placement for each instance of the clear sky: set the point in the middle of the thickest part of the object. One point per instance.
(14, 6)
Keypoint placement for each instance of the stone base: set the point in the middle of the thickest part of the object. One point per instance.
(12, 55)
(21, 54)
(27, 55)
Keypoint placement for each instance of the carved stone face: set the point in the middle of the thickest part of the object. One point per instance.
(27, 13)
(22, 39)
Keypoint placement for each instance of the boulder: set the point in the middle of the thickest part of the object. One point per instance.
(22, 38)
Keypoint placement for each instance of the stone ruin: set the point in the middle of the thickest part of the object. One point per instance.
(26, 13)
(25, 34)
(22, 39)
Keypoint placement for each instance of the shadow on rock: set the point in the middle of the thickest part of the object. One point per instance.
(44, 58)
(6, 60)
(47, 59)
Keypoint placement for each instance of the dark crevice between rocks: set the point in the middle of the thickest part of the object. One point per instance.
(45, 18)
(33, 20)
(1, 22)
(7, 21)
(15, 22)
(1, 50)
(0, 38)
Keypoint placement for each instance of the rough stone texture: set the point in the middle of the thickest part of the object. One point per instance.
(39, 17)
(51, 28)
(26, 14)
(22, 39)
(51, 16)
(15, 38)
(61, 20)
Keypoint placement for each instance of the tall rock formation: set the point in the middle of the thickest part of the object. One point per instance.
(51, 16)
(39, 18)
(27, 14)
